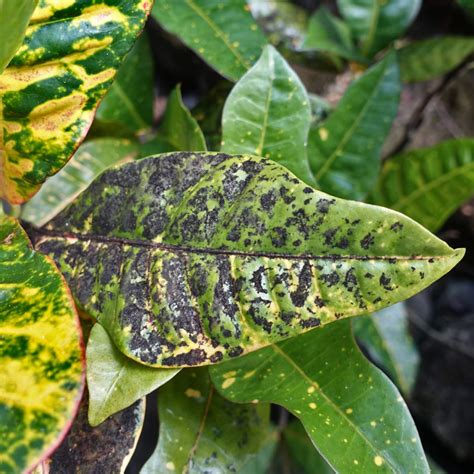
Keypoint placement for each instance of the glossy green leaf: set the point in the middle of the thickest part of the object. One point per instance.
(127, 107)
(224, 34)
(14, 18)
(376, 23)
(191, 258)
(41, 357)
(268, 114)
(104, 449)
(115, 381)
(49, 91)
(351, 411)
(88, 162)
(428, 59)
(344, 151)
(428, 184)
(201, 432)
(386, 338)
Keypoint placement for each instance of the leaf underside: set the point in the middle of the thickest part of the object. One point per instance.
(191, 258)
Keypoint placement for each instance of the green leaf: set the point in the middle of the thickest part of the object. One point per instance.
(468, 5)
(41, 358)
(14, 18)
(385, 336)
(268, 114)
(376, 23)
(102, 449)
(49, 92)
(344, 151)
(428, 59)
(327, 33)
(191, 258)
(115, 381)
(127, 107)
(223, 34)
(88, 162)
(201, 432)
(351, 411)
(428, 184)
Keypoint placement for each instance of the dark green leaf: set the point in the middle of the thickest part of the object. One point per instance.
(344, 151)
(191, 258)
(201, 432)
(115, 381)
(428, 59)
(351, 411)
(224, 34)
(428, 184)
(468, 5)
(268, 114)
(376, 23)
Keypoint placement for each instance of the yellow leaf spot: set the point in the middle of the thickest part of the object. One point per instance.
(249, 374)
(228, 382)
(229, 374)
(373, 423)
(312, 405)
(349, 411)
(191, 393)
(378, 460)
(311, 389)
(170, 466)
(323, 134)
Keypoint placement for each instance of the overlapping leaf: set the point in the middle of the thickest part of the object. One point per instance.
(52, 86)
(351, 411)
(201, 432)
(191, 258)
(40, 353)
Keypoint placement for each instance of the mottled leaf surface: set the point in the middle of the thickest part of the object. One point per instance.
(428, 184)
(201, 432)
(268, 114)
(41, 358)
(428, 59)
(49, 91)
(88, 162)
(376, 23)
(344, 151)
(115, 382)
(351, 411)
(386, 337)
(191, 258)
(224, 34)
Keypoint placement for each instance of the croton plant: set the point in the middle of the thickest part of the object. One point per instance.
(221, 254)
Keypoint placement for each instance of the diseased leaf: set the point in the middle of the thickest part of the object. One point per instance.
(191, 258)
(104, 449)
(428, 59)
(127, 108)
(268, 114)
(14, 18)
(386, 338)
(344, 151)
(115, 382)
(223, 34)
(88, 162)
(376, 23)
(41, 358)
(52, 86)
(201, 432)
(351, 411)
(428, 184)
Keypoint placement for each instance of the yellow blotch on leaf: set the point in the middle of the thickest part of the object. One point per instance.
(378, 460)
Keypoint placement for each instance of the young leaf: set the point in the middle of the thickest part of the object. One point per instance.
(115, 381)
(202, 432)
(428, 184)
(103, 449)
(428, 59)
(268, 114)
(14, 18)
(351, 411)
(344, 151)
(223, 34)
(191, 258)
(40, 353)
(127, 107)
(89, 161)
(385, 336)
(52, 86)
(376, 23)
